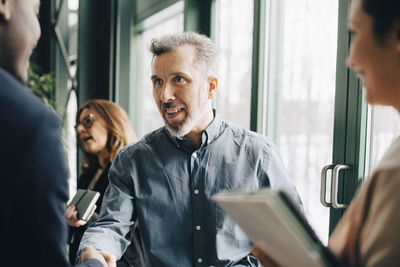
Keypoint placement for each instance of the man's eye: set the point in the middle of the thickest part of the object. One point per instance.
(178, 78)
(157, 82)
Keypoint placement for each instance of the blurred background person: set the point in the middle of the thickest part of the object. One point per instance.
(368, 233)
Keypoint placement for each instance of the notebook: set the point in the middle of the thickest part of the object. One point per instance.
(275, 225)
(85, 203)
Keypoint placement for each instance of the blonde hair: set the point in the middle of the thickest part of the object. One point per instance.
(119, 129)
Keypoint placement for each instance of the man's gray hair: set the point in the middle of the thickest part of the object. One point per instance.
(206, 51)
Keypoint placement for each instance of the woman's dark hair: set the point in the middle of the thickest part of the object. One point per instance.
(384, 13)
(119, 128)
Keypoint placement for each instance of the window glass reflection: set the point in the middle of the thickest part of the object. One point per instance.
(234, 38)
(301, 73)
(166, 21)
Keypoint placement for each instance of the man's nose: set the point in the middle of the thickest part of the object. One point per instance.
(167, 93)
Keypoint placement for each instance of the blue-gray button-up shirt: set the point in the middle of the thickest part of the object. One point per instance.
(165, 184)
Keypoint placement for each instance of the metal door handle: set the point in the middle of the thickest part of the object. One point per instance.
(335, 184)
(322, 196)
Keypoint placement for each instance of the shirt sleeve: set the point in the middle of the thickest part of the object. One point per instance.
(248, 261)
(379, 239)
(111, 233)
(90, 263)
(277, 175)
(367, 234)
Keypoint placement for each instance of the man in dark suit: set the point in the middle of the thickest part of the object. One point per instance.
(33, 172)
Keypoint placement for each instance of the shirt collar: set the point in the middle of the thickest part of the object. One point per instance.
(213, 130)
(209, 134)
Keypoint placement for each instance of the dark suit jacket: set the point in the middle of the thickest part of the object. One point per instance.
(33, 187)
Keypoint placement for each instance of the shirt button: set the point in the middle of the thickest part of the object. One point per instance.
(196, 191)
(209, 141)
(198, 227)
(194, 155)
(199, 260)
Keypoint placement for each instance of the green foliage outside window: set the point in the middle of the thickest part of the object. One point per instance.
(42, 85)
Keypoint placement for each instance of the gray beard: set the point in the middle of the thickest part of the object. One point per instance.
(185, 128)
(191, 120)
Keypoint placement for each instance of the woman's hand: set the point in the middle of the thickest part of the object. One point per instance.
(71, 217)
(263, 258)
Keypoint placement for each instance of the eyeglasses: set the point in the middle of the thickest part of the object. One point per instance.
(86, 122)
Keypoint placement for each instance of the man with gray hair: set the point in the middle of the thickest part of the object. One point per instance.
(165, 181)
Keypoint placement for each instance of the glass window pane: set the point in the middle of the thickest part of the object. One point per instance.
(300, 94)
(73, 6)
(65, 79)
(70, 141)
(234, 38)
(167, 21)
(382, 133)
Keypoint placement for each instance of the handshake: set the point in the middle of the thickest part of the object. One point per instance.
(108, 260)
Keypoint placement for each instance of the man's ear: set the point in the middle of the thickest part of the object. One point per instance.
(212, 87)
(5, 10)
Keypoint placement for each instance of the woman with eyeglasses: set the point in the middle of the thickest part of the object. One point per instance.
(102, 129)
(369, 232)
